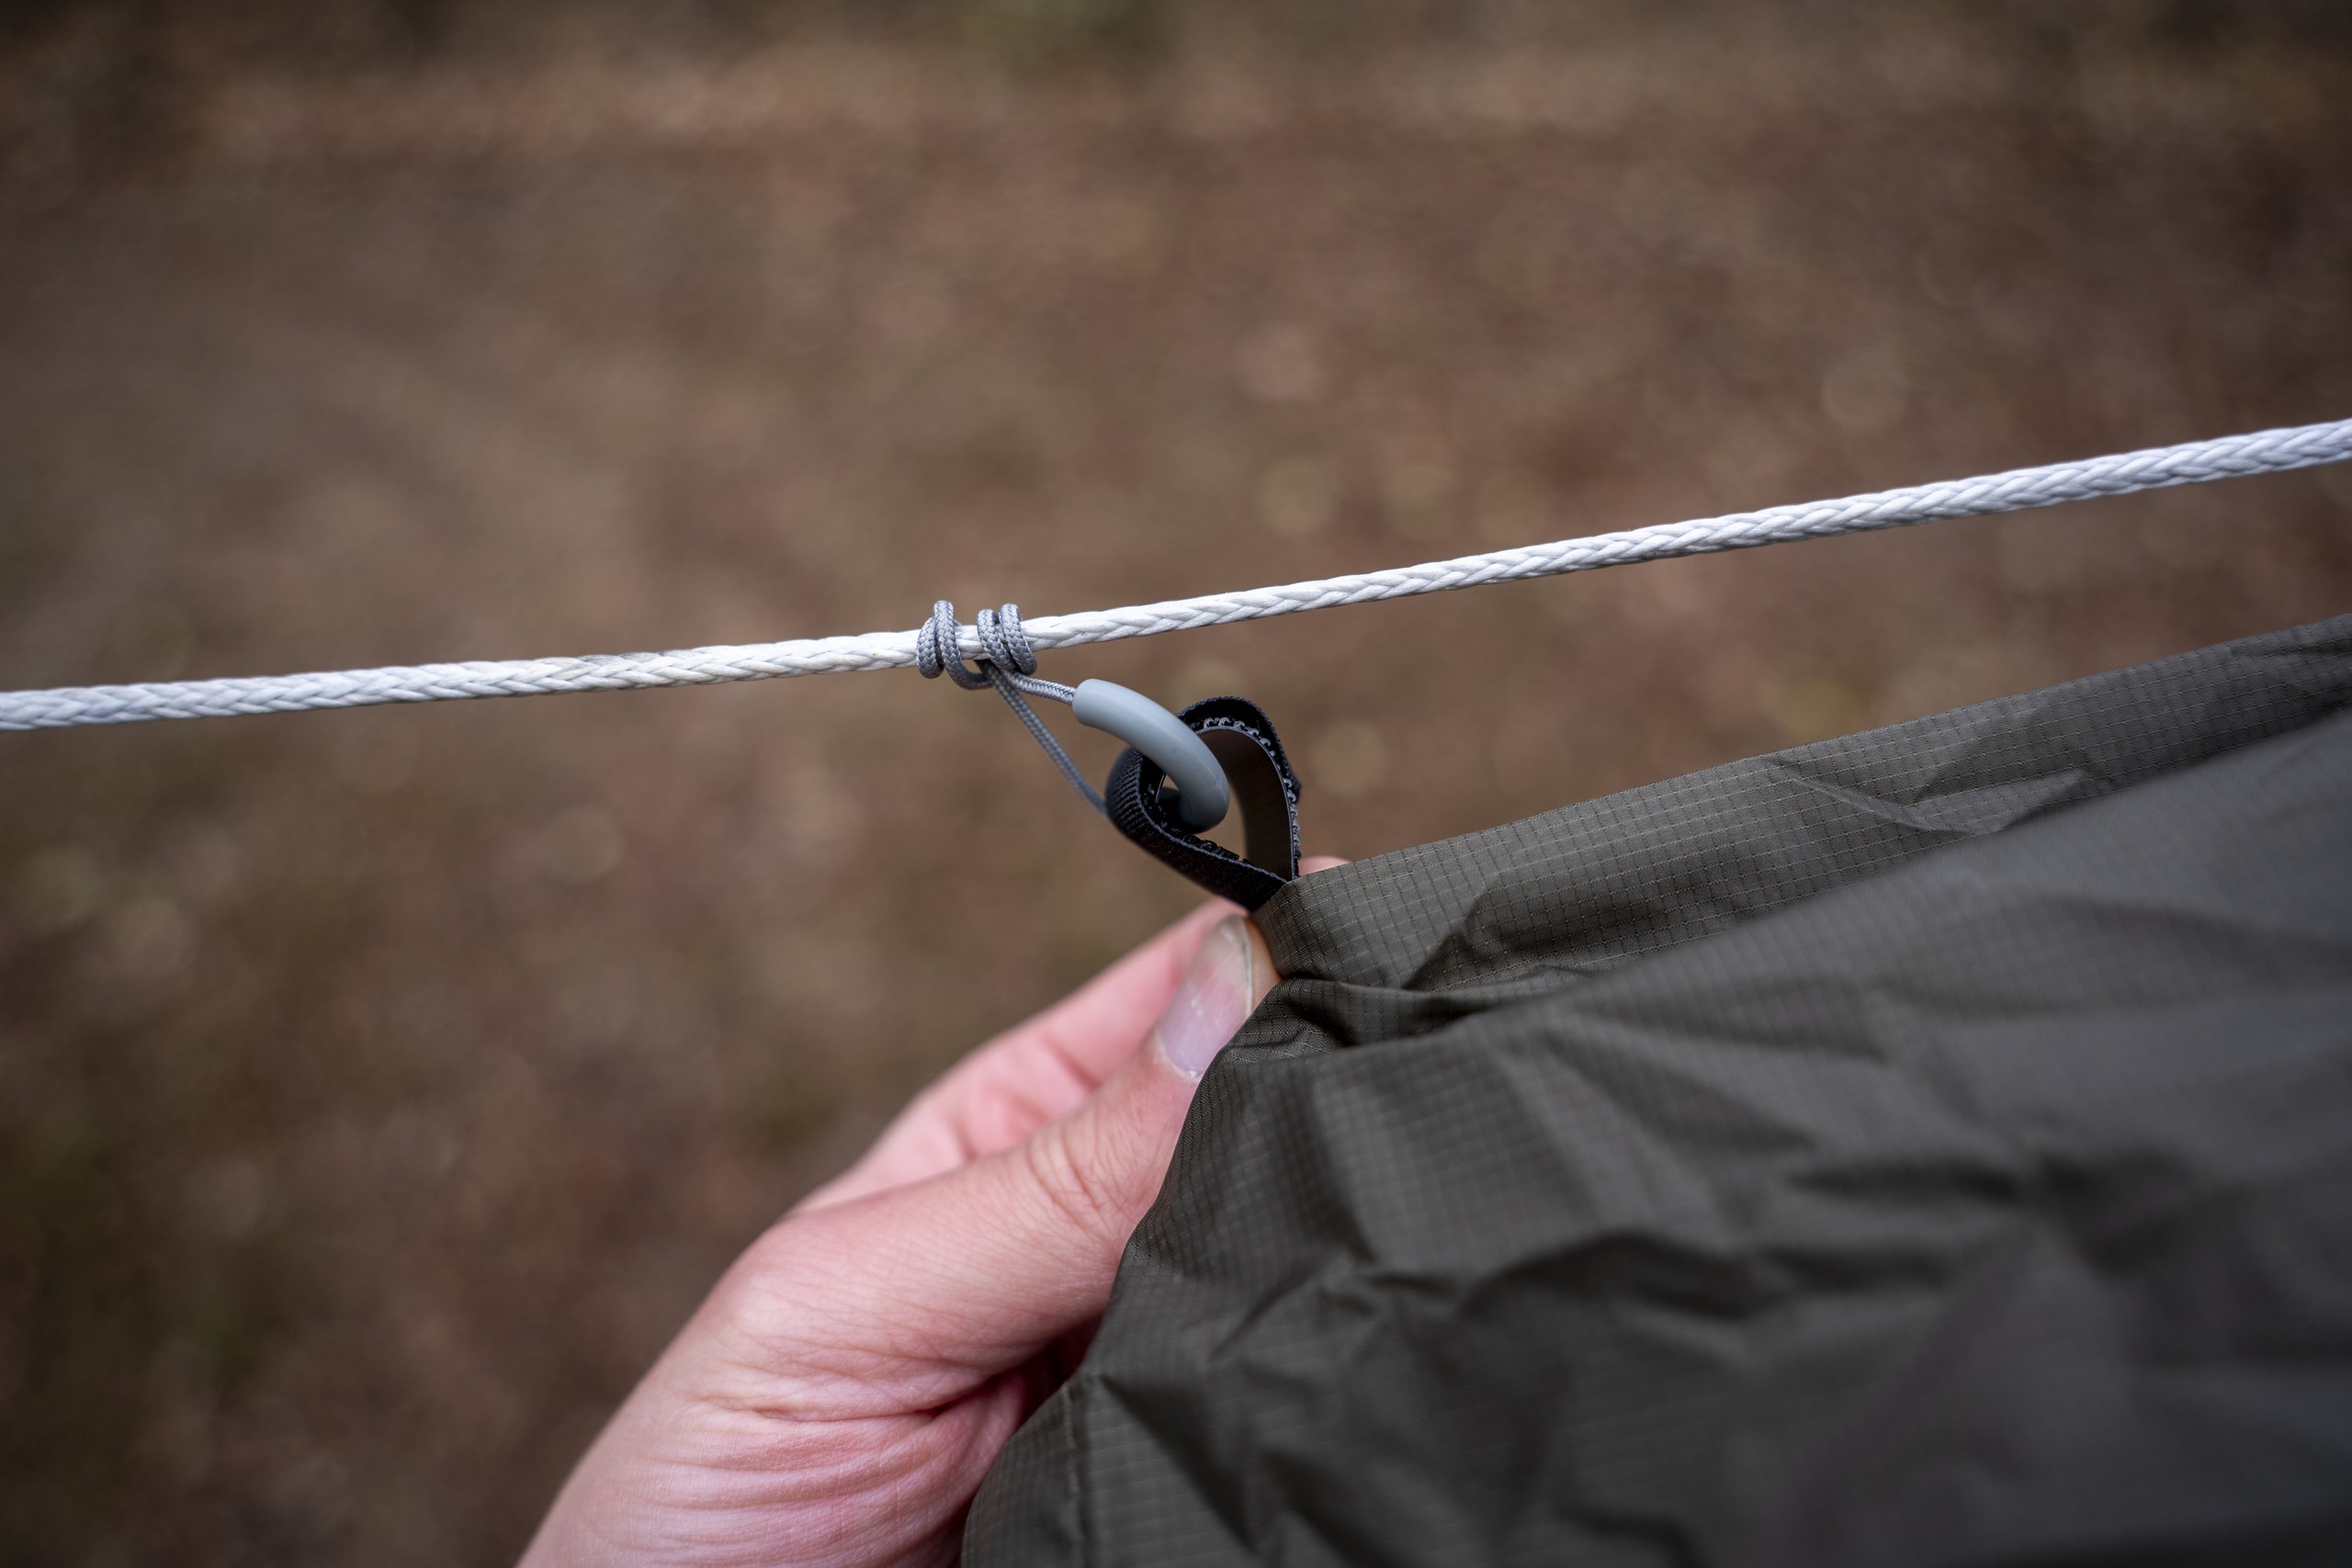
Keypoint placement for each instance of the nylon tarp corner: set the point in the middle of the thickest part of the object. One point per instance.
(1929, 1146)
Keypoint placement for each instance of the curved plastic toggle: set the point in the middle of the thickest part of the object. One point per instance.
(1202, 794)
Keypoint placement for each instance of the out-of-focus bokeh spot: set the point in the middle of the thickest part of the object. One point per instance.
(379, 1089)
(1347, 759)
(1299, 495)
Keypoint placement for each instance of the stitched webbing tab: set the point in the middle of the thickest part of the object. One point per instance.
(1243, 741)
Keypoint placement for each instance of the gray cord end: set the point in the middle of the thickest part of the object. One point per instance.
(1203, 795)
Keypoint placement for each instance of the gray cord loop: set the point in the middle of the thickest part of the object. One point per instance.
(1004, 647)
(937, 652)
(1009, 663)
(1008, 646)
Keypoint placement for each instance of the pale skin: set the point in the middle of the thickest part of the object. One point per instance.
(839, 1397)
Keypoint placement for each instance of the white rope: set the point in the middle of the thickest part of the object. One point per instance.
(2264, 452)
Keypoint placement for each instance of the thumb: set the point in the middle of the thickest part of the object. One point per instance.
(990, 1261)
(1087, 1178)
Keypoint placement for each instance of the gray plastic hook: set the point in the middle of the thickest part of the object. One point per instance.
(1202, 793)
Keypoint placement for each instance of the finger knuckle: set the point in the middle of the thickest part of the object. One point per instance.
(1087, 1196)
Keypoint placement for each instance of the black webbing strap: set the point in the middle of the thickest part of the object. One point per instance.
(1245, 745)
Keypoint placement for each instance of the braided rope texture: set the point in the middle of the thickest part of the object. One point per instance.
(2019, 489)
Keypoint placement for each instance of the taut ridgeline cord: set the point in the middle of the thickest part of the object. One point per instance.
(2019, 489)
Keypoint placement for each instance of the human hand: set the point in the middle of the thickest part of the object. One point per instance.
(841, 1392)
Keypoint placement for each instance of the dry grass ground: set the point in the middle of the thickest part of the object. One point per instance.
(378, 1089)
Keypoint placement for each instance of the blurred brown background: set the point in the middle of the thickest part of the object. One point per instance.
(378, 1089)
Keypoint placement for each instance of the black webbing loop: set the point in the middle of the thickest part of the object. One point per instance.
(1246, 748)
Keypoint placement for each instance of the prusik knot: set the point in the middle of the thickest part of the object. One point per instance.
(1009, 663)
(1003, 642)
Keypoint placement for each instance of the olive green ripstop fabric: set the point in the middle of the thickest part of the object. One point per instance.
(1929, 1146)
